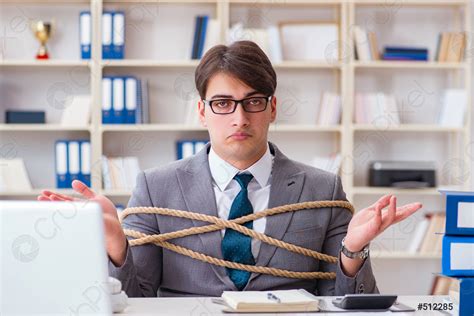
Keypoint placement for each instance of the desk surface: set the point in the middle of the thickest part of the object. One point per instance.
(203, 306)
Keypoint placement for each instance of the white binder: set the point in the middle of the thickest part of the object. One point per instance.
(85, 24)
(61, 164)
(106, 100)
(188, 149)
(86, 159)
(74, 158)
(131, 86)
(118, 37)
(107, 35)
(118, 100)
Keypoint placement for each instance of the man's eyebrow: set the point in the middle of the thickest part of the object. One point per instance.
(228, 96)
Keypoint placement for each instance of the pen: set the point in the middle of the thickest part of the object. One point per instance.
(273, 297)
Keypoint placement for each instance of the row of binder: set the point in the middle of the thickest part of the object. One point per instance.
(187, 148)
(113, 34)
(72, 162)
(124, 100)
(458, 241)
(458, 248)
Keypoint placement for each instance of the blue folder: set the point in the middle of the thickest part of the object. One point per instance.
(459, 212)
(458, 256)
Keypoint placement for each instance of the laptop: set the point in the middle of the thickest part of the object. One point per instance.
(52, 258)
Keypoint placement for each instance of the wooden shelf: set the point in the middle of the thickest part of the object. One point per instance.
(303, 128)
(36, 192)
(407, 128)
(409, 65)
(184, 127)
(289, 2)
(149, 128)
(412, 2)
(116, 193)
(195, 63)
(159, 2)
(45, 2)
(363, 190)
(44, 63)
(295, 64)
(41, 128)
(374, 255)
(150, 63)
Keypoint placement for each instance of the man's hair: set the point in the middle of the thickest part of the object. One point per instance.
(243, 60)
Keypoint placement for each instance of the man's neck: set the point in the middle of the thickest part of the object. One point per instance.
(244, 164)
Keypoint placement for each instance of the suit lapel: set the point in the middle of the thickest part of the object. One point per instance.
(195, 183)
(286, 186)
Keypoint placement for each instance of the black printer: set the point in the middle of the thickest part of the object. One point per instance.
(402, 174)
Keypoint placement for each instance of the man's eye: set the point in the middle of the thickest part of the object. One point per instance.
(256, 101)
(222, 103)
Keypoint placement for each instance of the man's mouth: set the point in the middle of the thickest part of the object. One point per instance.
(240, 136)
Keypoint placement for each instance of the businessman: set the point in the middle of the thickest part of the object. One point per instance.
(238, 173)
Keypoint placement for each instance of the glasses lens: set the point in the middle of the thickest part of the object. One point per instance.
(222, 106)
(256, 104)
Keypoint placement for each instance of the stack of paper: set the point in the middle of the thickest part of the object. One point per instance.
(273, 301)
(13, 175)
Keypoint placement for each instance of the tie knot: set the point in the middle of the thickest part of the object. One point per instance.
(243, 179)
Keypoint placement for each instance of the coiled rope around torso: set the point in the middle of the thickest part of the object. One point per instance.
(235, 224)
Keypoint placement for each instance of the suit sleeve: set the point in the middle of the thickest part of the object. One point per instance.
(141, 272)
(364, 280)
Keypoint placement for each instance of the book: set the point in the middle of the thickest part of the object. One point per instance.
(361, 44)
(309, 41)
(271, 301)
(454, 105)
(329, 109)
(13, 175)
(77, 112)
(212, 36)
(378, 109)
(418, 235)
(373, 46)
(432, 241)
(25, 117)
(441, 285)
(119, 173)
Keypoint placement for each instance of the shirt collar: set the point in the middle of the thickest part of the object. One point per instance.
(223, 172)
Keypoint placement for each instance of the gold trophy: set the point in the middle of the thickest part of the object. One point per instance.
(42, 31)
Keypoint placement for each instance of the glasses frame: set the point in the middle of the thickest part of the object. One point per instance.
(237, 102)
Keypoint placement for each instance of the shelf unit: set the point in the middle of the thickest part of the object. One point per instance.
(343, 78)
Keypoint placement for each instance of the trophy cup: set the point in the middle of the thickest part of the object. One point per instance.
(42, 31)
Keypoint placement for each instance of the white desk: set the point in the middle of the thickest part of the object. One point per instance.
(203, 306)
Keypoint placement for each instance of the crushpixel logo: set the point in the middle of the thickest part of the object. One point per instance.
(25, 248)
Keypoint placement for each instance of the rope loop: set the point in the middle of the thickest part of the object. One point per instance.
(161, 240)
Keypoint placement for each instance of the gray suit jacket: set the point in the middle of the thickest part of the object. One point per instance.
(187, 185)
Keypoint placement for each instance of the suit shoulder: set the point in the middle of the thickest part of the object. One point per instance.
(166, 170)
(315, 173)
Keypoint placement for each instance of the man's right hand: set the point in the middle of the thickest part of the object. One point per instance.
(116, 243)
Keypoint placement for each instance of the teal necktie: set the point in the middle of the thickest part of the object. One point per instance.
(236, 246)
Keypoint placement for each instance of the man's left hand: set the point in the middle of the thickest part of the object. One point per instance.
(373, 220)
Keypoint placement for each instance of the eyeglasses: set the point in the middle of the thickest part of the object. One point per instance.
(228, 106)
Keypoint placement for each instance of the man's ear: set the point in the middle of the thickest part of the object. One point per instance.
(202, 117)
(273, 104)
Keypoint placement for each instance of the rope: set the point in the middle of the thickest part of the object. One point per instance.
(235, 224)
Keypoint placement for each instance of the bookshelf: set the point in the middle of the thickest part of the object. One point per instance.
(299, 88)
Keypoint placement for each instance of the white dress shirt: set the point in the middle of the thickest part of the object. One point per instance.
(226, 188)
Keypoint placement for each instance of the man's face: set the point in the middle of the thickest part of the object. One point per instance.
(240, 138)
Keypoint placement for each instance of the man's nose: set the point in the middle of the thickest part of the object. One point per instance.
(240, 117)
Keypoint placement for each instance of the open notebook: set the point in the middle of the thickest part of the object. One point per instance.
(271, 301)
